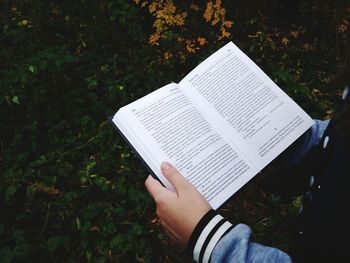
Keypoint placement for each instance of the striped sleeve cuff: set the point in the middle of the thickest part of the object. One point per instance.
(210, 229)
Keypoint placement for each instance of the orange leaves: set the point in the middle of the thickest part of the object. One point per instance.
(343, 26)
(208, 13)
(190, 46)
(227, 23)
(154, 39)
(193, 45)
(216, 14)
(170, 22)
(201, 41)
(152, 7)
(295, 33)
(224, 33)
(166, 16)
(142, 3)
(285, 41)
(168, 55)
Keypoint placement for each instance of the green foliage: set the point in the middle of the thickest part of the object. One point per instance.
(66, 191)
(70, 189)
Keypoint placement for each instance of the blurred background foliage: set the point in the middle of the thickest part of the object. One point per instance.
(70, 188)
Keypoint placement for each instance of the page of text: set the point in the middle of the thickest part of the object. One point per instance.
(259, 116)
(170, 128)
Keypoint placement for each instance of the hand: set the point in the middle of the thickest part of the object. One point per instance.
(178, 212)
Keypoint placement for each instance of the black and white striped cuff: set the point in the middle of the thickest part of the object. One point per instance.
(209, 230)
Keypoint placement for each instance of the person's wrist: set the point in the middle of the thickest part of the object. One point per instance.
(209, 230)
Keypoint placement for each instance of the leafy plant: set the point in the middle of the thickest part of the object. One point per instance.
(70, 188)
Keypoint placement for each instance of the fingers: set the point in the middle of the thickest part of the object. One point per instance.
(153, 186)
(175, 178)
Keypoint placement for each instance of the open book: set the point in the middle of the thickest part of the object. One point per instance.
(220, 126)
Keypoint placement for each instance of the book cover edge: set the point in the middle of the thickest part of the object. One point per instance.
(110, 119)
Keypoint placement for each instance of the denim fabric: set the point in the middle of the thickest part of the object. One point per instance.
(236, 246)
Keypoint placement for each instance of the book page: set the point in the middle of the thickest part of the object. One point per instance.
(253, 112)
(166, 126)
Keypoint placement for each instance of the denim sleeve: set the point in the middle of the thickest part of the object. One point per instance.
(295, 153)
(214, 239)
(236, 246)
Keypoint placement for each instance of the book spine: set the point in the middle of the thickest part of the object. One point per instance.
(152, 173)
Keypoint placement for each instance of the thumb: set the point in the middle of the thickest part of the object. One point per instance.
(175, 178)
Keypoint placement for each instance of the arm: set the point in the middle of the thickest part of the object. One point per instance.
(188, 219)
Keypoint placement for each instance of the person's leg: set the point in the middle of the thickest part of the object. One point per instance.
(289, 177)
(296, 152)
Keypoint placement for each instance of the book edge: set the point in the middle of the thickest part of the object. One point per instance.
(152, 173)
